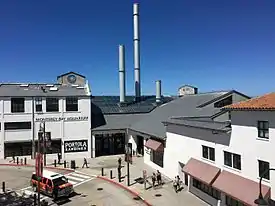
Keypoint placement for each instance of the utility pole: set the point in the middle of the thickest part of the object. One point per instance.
(39, 166)
(44, 143)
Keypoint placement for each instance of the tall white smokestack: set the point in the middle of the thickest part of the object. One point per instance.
(122, 73)
(136, 50)
(158, 91)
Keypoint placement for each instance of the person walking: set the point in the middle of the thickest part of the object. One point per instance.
(178, 182)
(175, 184)
(159, 177)
(85, 163)
(154, 178)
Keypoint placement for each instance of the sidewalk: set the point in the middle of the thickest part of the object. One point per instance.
(160, 195)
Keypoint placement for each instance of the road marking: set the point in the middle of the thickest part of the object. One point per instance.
(72, 182)
(81, 175)
(74, 178)
(26, 188)
(80, 183)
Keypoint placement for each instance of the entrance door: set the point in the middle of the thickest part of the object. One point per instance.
(140, 145)
(186, 179)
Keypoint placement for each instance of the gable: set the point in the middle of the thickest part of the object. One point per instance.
(72, 78)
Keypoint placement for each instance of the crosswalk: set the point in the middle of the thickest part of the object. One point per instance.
(75, 178)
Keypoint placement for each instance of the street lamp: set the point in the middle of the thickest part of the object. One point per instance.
(42, 129)
(261, 200)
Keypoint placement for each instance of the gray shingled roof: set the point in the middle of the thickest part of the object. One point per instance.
(205, 123)
(119, 121)
(32, 90)
(110, 104)
(185, 106)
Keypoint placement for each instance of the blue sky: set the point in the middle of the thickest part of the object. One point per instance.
(214, 45)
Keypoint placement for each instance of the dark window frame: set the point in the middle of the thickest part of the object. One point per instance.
(52, 104)
(38, 104)
(17, 125)
(208, 153)
(206, 189)
(71, 104)
(17, 105)
(263, 129)
(157, 157)
(232, 160)
(230, 201)
(263, 166)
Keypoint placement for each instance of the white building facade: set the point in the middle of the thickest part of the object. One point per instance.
(222, 166)
(64, 107)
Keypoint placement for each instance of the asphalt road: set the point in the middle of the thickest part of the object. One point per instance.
(86, 193)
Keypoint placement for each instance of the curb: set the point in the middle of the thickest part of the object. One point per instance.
(28, 165)
(134, 193)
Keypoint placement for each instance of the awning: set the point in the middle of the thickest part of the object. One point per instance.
(240, 188)
(201, 171)
(154, 145)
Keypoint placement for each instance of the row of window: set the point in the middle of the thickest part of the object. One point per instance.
(52, 104)
(234, 160)
(207, 189)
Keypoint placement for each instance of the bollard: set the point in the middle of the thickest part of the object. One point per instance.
(34, 200)
(64, 163)
(111, 174)
(17, 160)
(54, 163)
(102, 171)
(3, 187)
(25, 160)
(21, 161)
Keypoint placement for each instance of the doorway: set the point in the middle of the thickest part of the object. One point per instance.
(140, 145)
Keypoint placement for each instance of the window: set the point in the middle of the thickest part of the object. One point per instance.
(52, 105)
(229, 201)
(208, 153)
(263, 129)
(232, 160)
(224, 102)
(263, 167)
(207, 189)
(38, 104)
(157, 157)
(17, 105)
(17, 125)
(71, 104)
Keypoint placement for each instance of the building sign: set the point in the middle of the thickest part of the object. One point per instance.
(66, 119)
(76, 146)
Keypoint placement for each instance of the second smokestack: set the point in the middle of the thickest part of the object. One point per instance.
(136, 50)
(122, 73)
(158, 91)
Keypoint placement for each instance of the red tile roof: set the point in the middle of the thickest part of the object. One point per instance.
(240, 188)
(265, 102)
(201, 170)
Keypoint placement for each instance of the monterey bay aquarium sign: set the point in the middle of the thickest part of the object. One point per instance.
(58, 119)
(76, 146)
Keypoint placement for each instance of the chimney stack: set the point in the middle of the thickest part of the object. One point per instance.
(136, 50)
(158, 91)
(122, 73)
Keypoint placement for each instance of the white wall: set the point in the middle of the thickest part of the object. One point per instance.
(65, 130)
(243, 140)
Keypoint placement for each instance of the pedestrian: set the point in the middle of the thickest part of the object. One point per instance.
(178, 182)
(59, 158)
(175, 184)
(85, 163)
(119, 161)
(119, 172)
(159, 177)
(154, 179)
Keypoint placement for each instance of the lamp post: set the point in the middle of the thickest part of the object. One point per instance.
(43, 130)
(261, 200)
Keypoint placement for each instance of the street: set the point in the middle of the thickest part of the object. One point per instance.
(88, 190)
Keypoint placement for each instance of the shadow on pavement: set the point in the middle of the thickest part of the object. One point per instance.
(11, 198)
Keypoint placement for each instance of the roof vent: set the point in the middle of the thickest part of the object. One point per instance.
(53, 89)
(49, 85)
(80, 87)
(24, 85)
(74, 85)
